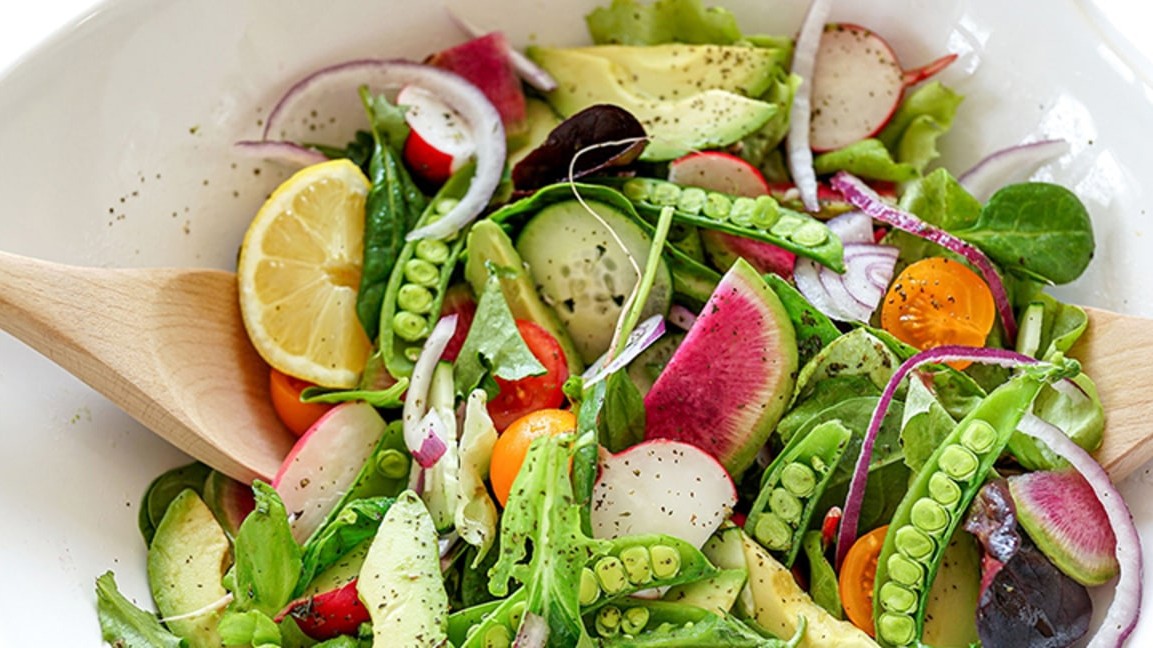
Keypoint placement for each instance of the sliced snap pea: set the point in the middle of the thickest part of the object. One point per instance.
(791, 487)
(934, 505)
(760, 218)
(637, 623)
(635, 563)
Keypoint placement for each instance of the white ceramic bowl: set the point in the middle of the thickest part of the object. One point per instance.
(114, 151)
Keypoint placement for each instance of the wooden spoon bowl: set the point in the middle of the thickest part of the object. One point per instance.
(168, 347)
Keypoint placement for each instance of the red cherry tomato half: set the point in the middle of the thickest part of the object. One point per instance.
(519, 397)
(285, 392)
(458, 300)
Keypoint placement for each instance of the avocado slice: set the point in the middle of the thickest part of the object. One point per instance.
(680, 115)
(676, 70)
(487, 241)
(186, 563)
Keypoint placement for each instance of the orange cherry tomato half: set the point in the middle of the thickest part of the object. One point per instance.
(855, 581)
(519, 397)
(285, 391)
(938, 301)
(512, 445)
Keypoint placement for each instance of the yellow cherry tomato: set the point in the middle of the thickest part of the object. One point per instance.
(855, 581)
(512, 445)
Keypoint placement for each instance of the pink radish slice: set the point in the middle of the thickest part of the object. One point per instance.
(718, 171)
(439, 143)
(857, 85)
(324, 463)
(289, 153)
(797, 142)
(661, 486)
(1009, 165)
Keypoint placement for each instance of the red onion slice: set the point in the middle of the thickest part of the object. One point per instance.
(862, 197)
(937, 355)
(800, 112)
(1126, 606)
(681, 317)
(529, 72)
(854, 295)
(340, 83)
(289, 153)
(418, 428)
(853, 227)
(641, 338)
(1008, 165)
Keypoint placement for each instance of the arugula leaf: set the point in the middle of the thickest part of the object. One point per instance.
(493, 346)
(124, 624)
(268, 561)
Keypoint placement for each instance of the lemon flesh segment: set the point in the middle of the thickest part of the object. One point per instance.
(299, 271)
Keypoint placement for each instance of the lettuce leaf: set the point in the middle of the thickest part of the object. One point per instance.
(476, 516)
(867, 158)
(124, 624)
(629, 22)
(925, 115)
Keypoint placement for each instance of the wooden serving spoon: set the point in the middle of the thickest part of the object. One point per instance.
(168, 347)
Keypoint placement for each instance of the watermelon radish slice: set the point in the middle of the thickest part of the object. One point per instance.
(661, 486)
(439, 142)
(857, 85)
(731, 378)
(325, 462)
(484, 61)
(1064, 518)
(727, 173)
(328, 615)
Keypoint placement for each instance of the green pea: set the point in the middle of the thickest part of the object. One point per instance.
(516, 613)
(415, 299)
(497, 636)
(929, 516)
(943, 489)
(392, 464)
(634, 620)
(898, 598)
(786, 225)
(914, 543)
(610, 573)
(692, 200)
(608, 621)
(665, 194)
(445, 205)
(432, 250)
(637, 567)
(896, 629)
(810, 234)
(412, 353)
(799, 479)
(666, 561)
(590, 589)
(786, 505)
(905, 571)
(742, 210)
(773, 532)
(717, 206)
(409, 326)
(766, 213)
(979, 436)
(637, 190)
(421, 272)
(959, 463)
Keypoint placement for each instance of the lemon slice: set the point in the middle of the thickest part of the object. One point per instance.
(298, 273)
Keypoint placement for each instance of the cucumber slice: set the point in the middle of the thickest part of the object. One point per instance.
(585, 265)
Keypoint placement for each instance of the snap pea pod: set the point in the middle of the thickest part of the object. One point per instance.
(760, 218)
(418, 282)
(392, 204)
(637, 622)
(935, 504)
(488, 625)
(791, 487)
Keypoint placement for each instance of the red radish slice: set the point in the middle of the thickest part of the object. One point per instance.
(718, 171)
(329, 614)
(1125, 609)
(661, 486)
(289, 153)
(325, 462)
(439, 142)
(857, 85)
(800, 153)
(1009, 165)
(529, 72)
(336, 89)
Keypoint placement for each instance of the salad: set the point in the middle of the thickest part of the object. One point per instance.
(680, 338)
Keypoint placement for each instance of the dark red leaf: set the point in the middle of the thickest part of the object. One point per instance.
(614, 127)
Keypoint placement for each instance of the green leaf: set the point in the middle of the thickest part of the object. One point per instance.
(924, 115)
(493, 346)
(823, 587)
(357, 521)
(630, 22)
(867, 158)
(251, 628)
(123, 624)
(387, 120)
(1036, 229)
(622, 420)
(924, 426)
(268, 559)
(163, 490)
(388, 398)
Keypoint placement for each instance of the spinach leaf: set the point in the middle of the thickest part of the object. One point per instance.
(124, 624)
(357, 521)
(163, 490)
(268, 562)
(622, 420)
(823, 587)
(925, 425)
(825, 394)
(938, 199)
(1036, 229)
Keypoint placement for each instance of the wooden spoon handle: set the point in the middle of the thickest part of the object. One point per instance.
(1117, 353)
